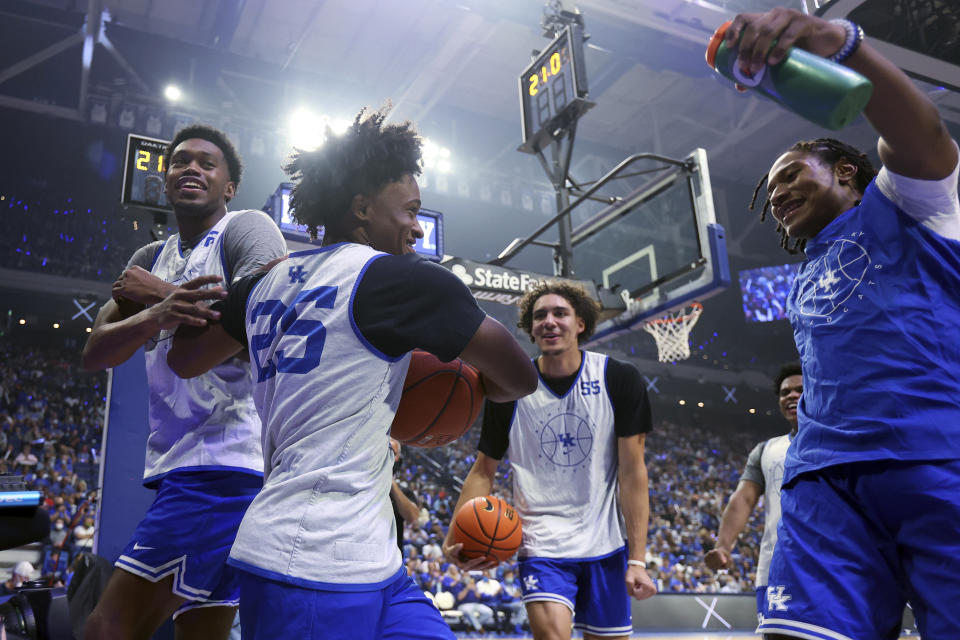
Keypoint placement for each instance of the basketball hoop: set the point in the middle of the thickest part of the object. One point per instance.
(672, 332)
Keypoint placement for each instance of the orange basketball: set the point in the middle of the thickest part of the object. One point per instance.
(488, 527)
(441, 400)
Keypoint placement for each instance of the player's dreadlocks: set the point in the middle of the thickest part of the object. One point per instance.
(829, 151)
(363, 160)
(586, 308)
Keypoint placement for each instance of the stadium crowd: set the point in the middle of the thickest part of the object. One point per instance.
(51, 427)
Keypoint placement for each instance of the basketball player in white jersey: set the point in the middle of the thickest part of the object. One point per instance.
(576, 448)
(762, 475)
(329, 333)
(203, 452)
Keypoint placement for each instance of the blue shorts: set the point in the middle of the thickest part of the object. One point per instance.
(857, 541)
(187, 532)
(761, 603)
(594, 589)
(400, 610)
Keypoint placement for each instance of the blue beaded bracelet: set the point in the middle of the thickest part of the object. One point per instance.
(854, 38)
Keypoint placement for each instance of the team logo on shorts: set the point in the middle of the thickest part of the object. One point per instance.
(530, 583)
(777, 599)
(566, 440)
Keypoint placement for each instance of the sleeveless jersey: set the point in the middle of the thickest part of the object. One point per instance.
(207, 422)
(771, 464)
(876, 317)
(327, 398)
(563, 452)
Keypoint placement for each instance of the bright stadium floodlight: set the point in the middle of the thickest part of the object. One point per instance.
(339, 126)
(436, 157)
(306, 129)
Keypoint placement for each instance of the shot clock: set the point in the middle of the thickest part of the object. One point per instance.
(144, 172)
(553, 89)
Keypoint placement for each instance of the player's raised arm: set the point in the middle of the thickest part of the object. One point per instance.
(197, 349)
(115, 338)
(508, 374)
(914, 141)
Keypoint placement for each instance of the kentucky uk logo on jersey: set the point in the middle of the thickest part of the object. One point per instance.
(566, 439)
(829, 285)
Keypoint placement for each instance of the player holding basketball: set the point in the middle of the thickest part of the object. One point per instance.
(203, 452)
(871, 493)
(576, 447)
(763, 475)
(329, 332)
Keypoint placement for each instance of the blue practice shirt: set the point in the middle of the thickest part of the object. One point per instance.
(875, 311)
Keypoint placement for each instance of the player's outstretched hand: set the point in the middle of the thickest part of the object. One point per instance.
(639, 584)
(765, 38)
(717, 559)
(187, 304)
(452, 553)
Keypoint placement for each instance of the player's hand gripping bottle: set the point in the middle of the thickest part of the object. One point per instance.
(822, 91)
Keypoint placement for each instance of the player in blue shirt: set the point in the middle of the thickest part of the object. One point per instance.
(871, 493)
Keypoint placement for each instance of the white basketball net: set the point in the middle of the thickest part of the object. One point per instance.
(672, 333)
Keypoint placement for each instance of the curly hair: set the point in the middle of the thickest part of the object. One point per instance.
(829, 151)
(363, 160)
(215, 136)
(787, 370)
(586, 308)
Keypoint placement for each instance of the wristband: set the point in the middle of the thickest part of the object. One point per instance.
(852, 43)
(637, 563)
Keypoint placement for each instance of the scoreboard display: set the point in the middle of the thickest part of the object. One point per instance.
(553, 86)
(144, 172)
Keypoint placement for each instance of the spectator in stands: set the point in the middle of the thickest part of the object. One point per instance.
(469, 603)
(58, 533)
(20, 574)
(55, 563)
(511, 602)
(26, 457)
(83, 535)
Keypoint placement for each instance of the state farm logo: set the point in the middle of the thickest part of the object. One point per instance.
(497, 280)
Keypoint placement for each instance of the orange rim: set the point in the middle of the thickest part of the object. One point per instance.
(715, 41)
(695, 306)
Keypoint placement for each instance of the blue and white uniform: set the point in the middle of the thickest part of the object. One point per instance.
(874, 472)
(208, 422)
(203, 452)
(765, 468)
(562, 446)
(319, 540)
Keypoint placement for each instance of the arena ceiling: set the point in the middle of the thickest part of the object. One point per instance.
(432, 58)
(452, 66)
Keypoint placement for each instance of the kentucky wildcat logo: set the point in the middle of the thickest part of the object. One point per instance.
(832, 279)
